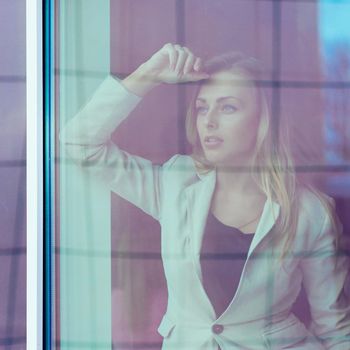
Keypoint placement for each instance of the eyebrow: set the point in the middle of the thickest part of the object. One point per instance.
(220, 99)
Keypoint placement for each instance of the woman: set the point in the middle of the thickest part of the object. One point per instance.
(235, 196)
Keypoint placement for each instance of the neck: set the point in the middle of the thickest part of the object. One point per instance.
(234, 182)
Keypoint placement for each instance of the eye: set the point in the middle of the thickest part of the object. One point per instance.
(201, 110)
(228, 108)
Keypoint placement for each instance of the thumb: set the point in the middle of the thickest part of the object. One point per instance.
(196, 76)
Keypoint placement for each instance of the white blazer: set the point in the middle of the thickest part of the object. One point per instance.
(259, 315)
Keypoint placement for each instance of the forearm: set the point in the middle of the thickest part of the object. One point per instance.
(94, 123)
(140, 82)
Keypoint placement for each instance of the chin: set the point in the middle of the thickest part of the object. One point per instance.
(216, 160)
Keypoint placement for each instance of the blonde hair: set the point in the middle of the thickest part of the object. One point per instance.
(272, 168)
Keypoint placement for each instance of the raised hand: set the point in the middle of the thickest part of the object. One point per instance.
(174, 64)
(171, 64)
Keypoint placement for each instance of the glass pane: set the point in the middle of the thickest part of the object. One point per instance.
(12, 175)
(83, 239)
(231, 242)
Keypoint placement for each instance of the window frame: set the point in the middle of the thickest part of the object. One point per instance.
(34, 173)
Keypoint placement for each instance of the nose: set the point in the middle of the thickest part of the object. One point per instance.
(211, 120)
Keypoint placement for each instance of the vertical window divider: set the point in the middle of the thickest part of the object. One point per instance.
(34, 173)
(49, 171)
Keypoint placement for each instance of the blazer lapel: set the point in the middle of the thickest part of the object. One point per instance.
(199, 197)
(268, 218)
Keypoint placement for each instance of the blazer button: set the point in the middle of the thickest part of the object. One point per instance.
(217, 328)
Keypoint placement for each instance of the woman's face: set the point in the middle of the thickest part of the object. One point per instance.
(227, 112)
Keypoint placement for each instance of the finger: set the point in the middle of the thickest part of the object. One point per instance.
(198, 64)
(189, 61)
(172, 55)
(181, 59)
(196, 76)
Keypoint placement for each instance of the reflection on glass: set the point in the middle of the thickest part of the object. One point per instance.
(335, 40)
(231, 223)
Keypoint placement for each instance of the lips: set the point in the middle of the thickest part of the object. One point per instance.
(212, 141)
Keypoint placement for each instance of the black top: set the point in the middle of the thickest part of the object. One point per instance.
(223, 254)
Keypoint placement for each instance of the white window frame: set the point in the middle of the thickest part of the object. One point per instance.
(34, 174)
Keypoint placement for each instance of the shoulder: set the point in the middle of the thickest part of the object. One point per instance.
(316, 211)
(180, 169)
(313, 202)
(180, 163)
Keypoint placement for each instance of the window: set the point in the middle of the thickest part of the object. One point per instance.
(109, 289)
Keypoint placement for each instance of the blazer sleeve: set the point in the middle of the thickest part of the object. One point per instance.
(86, 139)
(326, 278)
